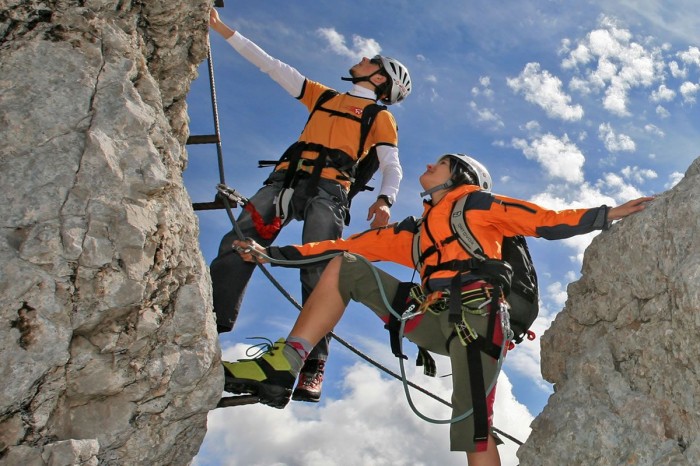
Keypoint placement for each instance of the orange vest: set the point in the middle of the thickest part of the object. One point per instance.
(341, 133)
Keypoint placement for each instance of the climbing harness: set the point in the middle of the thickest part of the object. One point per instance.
(515, 272)
(227, 195)
(358, 170)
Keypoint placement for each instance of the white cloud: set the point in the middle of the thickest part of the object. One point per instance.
(361, 46)
(581, 55)
(677, 71)
(483, 88)
(688, 91)
(663, 94)
(615, 142)
(582, 86)
(655, 130)
(486, 115)
(371, 425)
(525, 358)
(615, 100)
(616, 186)
(557, 293)
(559, 157)
(532, 126)
(620, 65)
(691, 56)
(662, 112)
(545, 90)
(638, 175)
(673, 179)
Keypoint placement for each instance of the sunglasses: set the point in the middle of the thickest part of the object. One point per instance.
(377, 61)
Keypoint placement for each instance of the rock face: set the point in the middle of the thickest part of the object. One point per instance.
(624, 354)
(108, 345)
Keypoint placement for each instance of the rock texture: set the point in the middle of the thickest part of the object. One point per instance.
(108, 345)
(624, 354)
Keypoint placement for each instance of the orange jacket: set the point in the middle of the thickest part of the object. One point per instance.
(490, 217)
(341, 133)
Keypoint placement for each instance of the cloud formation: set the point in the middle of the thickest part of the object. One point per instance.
(361, 46)
(559, 157)
(615, 142)
(611, 61)
(542, 88)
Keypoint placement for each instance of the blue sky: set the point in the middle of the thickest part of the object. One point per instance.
(567, 107)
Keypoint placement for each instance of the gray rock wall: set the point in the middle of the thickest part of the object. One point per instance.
(108, 346)
(624, 354)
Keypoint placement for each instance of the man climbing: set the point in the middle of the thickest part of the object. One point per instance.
(461, 299)
(311, 182)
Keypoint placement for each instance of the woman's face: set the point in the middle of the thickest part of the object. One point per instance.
(436, 174)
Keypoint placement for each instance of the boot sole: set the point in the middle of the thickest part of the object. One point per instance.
(275, 396)
(303, 395)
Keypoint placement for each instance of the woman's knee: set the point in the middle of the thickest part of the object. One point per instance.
(350, 267)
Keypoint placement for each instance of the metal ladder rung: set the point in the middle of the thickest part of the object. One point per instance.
(217, 204)
(203, 139)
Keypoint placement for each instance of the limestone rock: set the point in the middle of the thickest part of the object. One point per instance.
(108, 344)
(624, 353)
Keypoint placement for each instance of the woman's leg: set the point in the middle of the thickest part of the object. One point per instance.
(324, 307)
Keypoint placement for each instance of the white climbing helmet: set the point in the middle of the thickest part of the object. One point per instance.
(399, 85)
(475, 169)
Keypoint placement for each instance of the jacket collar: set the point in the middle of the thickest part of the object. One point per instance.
(451, 196)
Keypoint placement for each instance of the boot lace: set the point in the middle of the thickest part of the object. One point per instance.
(259, 349)
(315, 377)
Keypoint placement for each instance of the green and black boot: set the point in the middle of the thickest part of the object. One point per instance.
(270, 376)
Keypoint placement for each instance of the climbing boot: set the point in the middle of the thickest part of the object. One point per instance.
(269, 376)
(310, 381)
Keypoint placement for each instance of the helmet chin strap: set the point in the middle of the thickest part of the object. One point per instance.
(445, 185)
(360, 79)
(354, 80)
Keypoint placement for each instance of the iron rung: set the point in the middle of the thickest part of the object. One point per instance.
(203, 139)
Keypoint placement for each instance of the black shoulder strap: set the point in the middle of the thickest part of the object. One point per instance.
(327, 95)
(369, 114)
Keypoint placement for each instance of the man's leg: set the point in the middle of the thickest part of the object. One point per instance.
(229, 273)
(324, 217)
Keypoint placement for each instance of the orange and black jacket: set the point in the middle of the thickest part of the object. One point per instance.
(490, 217)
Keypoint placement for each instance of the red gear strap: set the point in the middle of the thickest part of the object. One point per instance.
(265, 231)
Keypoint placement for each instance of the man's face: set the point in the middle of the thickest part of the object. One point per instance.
(436, 174)
(366, 67)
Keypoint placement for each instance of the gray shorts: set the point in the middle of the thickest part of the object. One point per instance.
(358, 282)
